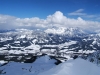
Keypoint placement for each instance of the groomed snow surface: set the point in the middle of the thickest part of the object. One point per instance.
(45, 66)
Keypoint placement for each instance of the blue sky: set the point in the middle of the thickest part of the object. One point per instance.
(43, 8)
(84, 14)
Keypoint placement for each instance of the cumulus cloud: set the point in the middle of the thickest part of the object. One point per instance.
(57, 19)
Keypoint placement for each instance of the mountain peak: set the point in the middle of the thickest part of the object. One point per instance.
(65, 31)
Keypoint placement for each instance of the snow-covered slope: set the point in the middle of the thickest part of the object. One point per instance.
(74, 67)
(42, 64)
(45, 66)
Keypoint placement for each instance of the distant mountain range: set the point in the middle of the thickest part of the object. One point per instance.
(60, 42)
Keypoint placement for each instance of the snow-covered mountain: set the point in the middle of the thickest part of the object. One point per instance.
(61, 44)
(55, 42)
(65, 31)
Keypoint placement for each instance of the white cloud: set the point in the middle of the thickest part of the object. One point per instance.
(78, 12)
(57, 19)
